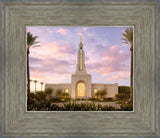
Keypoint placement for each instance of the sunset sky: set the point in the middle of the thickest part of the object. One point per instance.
(107, 59)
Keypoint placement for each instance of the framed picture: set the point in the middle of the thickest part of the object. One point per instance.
(68, 73)
(20, 118)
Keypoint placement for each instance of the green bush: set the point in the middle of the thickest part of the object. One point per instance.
(55, 107)
(67, 99)
(38, 102)
(55, 99)
(87, 107)
(32, 95)
(108, 99)
(39, 105)
(125, 90)
(119, 102)
(109, 108)
(58, 92)
(40, 95)
(121, 96)
(65, 95)
(77, 99)
(100, 93)
(127, 106)
(92, 99)
(48, 91)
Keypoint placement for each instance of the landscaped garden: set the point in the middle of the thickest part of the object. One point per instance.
(44, 101)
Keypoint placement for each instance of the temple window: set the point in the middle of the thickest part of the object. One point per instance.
(66, 90)
(95, 91)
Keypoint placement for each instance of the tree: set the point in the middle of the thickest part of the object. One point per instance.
(121, 96)
(40, 95)
(48, 92)
(31, 41)
(103, 92)
(42, 86)
(59, 92)
(35, 81)
(97, 94)
(124, 90)
(128, 39)
(65, 95)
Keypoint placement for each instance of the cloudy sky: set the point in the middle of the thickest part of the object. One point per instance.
(107, 58)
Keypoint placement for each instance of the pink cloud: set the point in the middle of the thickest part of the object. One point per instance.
(53, 58)
(84, 29)
(47, 78)
(121, 51)
(80, 34)
(110, 60)
(49, 30)
(50, 65)
(55, 49)
(62, 31)
(118, 76)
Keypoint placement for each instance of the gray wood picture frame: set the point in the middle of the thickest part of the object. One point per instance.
(143, 121)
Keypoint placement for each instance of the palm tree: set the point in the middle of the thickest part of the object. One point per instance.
(31, 41)
(128, 39)
(35, 81)
(41, 86)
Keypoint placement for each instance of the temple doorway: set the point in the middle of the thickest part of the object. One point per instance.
(81, 89)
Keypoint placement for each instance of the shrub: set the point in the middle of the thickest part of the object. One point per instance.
(32, 95)
(103, 92)
(48, 91)
(77, 99)
(87, 107)
(40, 95)
(55, 107)
(124, 90)
(108, 108)
(39, 105)
(55, 99)
(121, 96)
(58, 92)
(100, 93)
(119, 102)
(108, 99)
(67, 99)
(65, 95)
(127, 106)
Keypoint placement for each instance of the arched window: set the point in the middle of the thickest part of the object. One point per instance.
(81, 89)
(66, 90)
(95, 91)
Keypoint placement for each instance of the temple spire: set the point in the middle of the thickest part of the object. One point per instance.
(80, 44)
(81, 68)
(81, 39)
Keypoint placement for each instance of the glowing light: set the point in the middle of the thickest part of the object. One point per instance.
(81, 89)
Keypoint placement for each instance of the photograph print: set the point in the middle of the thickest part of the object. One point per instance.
(79, 68)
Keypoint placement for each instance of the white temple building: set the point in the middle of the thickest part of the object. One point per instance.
(81, 86)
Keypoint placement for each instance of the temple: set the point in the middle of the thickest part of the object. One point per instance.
(81, 86)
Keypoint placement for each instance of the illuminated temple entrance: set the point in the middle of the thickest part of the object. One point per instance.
(81, 89)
